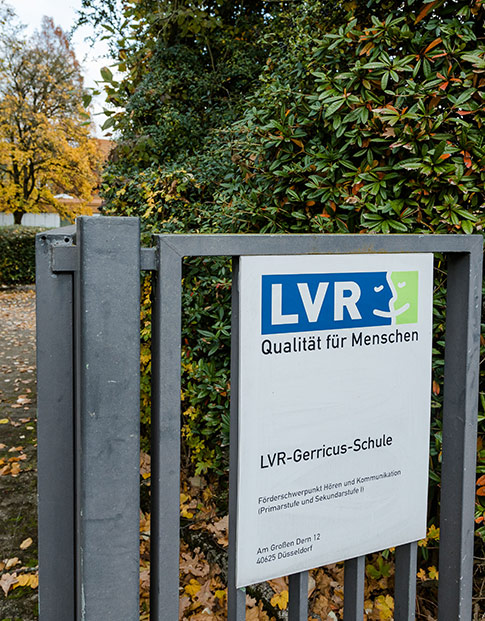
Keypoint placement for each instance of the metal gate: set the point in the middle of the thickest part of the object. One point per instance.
(88, 310)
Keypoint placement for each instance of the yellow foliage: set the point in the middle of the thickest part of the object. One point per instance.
(385, 606)
(193, 587)
(280, 600)
(30, 580)
(45, 143)
(433, 573)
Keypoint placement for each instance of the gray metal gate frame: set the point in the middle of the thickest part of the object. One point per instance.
(88, 312)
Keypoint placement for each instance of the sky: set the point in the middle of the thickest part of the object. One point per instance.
(92, 57)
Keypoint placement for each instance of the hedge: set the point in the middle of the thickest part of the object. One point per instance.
(17, 255)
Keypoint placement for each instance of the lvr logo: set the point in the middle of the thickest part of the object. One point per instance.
(304, 302)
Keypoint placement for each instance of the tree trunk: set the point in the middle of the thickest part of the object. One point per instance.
(17, 216)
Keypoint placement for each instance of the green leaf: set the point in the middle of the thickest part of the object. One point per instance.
(333, 107)
(106, 74)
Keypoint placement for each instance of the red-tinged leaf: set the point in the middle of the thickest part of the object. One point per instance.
(464, 112)
(445, 156)
(367, 49)
(433, 44)
(481, 491)
(425, 10)
(443, 86)
(481, 480)
(467, 159)
(436, 388)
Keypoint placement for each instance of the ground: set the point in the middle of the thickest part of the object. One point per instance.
(18, 475)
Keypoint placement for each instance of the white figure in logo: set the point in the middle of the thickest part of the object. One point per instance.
(393, 312)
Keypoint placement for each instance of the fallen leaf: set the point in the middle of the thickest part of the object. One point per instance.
(311, 585)
(278, 584)
(257, 614)
(193, 587)
(22, 580)
(220, 529)
(385, 606)
(184, 603)
(11, 562)
(204, 595)
(145, 464)
(7, 581)
(26, 543)
(280, 600)
(145, 580)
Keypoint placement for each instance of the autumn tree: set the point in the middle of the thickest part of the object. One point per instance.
(45, 143)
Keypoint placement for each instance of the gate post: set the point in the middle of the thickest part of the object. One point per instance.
(55, 430)
(107, 345)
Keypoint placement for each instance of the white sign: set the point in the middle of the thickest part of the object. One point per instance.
(334, 408)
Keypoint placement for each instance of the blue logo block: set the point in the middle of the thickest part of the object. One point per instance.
(308, 302)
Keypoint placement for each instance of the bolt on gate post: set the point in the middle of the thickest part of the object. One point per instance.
(88, 389)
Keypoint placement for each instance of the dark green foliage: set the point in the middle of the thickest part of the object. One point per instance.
(313, 117)
(17, 255)
(377, 126)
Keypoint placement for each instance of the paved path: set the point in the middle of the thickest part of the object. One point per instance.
(18, 474)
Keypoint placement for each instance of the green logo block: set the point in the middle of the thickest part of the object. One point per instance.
(405, 296)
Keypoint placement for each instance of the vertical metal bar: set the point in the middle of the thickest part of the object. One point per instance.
(298, 597)
(405, 582)
(354, 579)
(108, 370)
(55, 433)
(462, 348)
(236, 598)
(165, 478)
